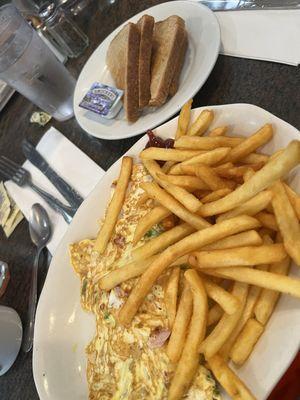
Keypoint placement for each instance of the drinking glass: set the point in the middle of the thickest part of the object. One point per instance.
(29, 66)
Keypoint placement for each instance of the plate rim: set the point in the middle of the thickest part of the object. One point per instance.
(177, 106)
(64, 244)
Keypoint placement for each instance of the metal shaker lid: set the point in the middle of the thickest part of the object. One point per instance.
(47, 11)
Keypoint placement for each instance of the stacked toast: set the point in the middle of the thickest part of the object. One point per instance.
(145, 60)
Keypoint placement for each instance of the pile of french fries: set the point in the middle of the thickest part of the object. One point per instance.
(230, 250)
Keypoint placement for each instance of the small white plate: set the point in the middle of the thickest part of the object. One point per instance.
(62, 329)
(10, 337)
(204, 43)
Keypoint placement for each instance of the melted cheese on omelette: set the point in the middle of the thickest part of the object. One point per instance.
(121, 363)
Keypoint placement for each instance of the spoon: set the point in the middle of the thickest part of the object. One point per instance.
(40, 233)
(10, 337)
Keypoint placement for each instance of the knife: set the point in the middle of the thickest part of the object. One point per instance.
(236, 5)
(69, 193)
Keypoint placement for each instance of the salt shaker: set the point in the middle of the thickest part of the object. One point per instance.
(47, 38)
(63, 30)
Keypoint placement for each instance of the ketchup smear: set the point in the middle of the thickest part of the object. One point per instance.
(156, 141)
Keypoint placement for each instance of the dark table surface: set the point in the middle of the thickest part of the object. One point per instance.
(274, 87)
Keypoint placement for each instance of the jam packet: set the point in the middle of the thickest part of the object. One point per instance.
(103, 99)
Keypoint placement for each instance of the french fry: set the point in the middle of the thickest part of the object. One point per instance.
(254, 158)
(157, 153)
(246, 341)
(222, 331)
(229, 380)
(207, 143)
(226, 300)
(145, 223)
(268, 298)
(287, 221)
(184, 119)
(162, 241)
(264, 279)
(189, 170)
(201, 124)
(276, 154)
(214, 314)
(208, 158)
(215, 195)
(251, 143)
(262, 179)
(223, 168)
(189, 360)
(142, 200)
(122, 274)
(247, 255)
(220, 131)
(248, 174)
(208, 176)
(267, 220)
(251, 207)
(294, 199)
(160, 195)
(188, 200)
(189, 183)
(131, 270)
(188, 244)
(114, 206)
(170, 295)
(248, 238)
(167, 166)
(238, 172)
(181, 324)
(253, 294)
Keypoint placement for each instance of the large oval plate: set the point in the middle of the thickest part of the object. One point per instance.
(62, 329)
(204, 43)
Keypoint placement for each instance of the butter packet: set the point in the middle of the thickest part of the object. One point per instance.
(4, 205)
(40, 117)
(10, 214)
(103, 100)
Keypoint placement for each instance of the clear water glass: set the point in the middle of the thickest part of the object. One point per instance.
(29, 66)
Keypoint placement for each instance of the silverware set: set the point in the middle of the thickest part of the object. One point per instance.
(39, 223)
(10, 170)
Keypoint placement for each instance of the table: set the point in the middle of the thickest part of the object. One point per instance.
(274, 87)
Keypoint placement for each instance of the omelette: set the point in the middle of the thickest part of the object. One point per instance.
(128, 363)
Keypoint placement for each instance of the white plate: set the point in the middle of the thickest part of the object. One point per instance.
(63, 330)
(204, 43)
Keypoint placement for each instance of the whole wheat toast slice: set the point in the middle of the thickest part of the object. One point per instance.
(145, 25)
(122, 60)
(176, 77)
(167, 39)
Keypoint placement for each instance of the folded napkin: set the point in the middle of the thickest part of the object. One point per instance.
(71, 164)
(271, 35)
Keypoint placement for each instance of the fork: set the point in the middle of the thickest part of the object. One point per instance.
(19, 175)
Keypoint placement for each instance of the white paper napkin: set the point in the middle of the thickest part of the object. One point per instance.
(271, 35)
(71, 164)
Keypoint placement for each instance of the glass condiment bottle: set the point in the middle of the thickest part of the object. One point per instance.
(66, 33)
(46, 36)
(4, 277)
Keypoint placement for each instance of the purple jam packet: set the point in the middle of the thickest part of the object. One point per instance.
(103, 99)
